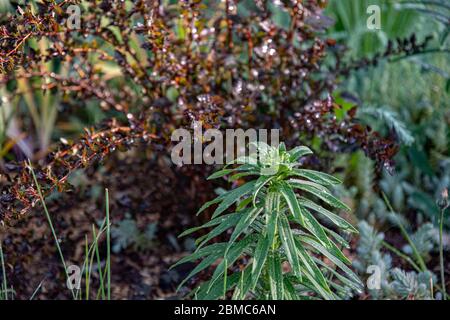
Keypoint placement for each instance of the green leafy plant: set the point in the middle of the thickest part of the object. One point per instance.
(410, 285)
(276, 235)
(127, 233)
(395, 283)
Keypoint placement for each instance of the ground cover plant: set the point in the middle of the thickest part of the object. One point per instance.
(91, 92)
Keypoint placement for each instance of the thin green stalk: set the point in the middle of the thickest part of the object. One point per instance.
(401, 255)
(86, 271)
(242, 297)
(103, 280)
(99, 265)
(441, 255)
(49, 220)
(225, 280)
(89, 257)
(417, 255)
(37, 289)
(108, 244)
(5, 284)
(91, 262)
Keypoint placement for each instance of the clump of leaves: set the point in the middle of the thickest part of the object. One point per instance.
(276, 233)
(410, 285)
(369, 254)
(127, 233)
(423, 239)
(395, 283)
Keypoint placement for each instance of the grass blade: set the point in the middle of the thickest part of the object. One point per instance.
(50, 223)
(108, 245)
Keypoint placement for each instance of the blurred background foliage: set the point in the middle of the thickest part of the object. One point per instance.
(410, 98)
(407, 98)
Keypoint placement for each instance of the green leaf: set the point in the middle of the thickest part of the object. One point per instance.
(333, 250)
(272, 212)
(209, 203)
(243, 204)
(309, 282)
(248, 167)
(262, 249)
(322, 194)
(308, 183)
(232, 254)
(205, 292)
(205, 263)
(419, 159)
(231, 221)
(287, 239)
(316, 176)
(334, 255)
(291, 201)
(338, 221)
(275, 277)
(232, 196)
(260, 183)
(338, 238)
(244, 284)
(220, 174)
(210, 223)
(211, 249)
(290, 292)
(244, 222)
(313, 226)
(240, 175)
(357, 286)
(313, 270)
(299, 152)
(315, 286)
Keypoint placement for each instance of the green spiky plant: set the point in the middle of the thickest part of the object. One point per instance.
(275, 233)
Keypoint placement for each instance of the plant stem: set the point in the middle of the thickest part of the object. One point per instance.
(99, 265)
(401, 255)
(108, 244)
(225, 280)
(86, 270)
(417, 255)
(49, 220)
(441, 255)
(37, 289)
(5, 285)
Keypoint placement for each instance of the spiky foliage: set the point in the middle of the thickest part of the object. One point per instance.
(127, 233)
(276, 232)
(423, 239)
(394, 283)
(369, 254)
(411, 285)
(392, 120)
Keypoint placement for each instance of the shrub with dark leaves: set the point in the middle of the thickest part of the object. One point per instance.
(154, 67)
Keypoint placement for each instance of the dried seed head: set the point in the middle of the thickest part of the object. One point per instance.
(443, 201)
